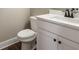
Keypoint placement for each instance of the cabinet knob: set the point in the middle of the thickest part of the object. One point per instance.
(59, 42)
(54, 40)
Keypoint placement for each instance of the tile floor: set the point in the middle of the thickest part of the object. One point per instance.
(16, 46)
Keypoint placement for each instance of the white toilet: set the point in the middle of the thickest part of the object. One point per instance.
(27, 36)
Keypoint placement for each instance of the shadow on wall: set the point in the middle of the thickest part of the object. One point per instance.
(27, 25)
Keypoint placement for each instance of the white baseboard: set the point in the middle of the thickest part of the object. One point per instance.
(8, 42)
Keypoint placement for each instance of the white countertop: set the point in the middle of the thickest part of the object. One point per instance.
(60, 20)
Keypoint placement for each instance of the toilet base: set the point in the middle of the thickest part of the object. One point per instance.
(26, 46)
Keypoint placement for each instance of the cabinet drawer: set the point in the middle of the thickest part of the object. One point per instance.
(65, 32)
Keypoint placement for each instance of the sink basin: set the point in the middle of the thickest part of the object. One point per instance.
(61, 18)
(66, 19)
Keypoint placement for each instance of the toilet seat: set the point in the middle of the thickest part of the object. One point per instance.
(26, 35)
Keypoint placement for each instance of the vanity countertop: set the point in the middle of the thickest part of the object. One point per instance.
(60, 20)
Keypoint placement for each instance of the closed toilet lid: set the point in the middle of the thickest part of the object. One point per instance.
(27, 33)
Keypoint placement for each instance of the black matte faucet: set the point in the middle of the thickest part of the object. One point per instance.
(67, 13)
(70, 13)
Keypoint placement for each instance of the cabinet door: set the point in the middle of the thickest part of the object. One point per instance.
(45, 41)
(64, 44)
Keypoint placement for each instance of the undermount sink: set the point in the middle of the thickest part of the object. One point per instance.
(66, 19)
(61, 18)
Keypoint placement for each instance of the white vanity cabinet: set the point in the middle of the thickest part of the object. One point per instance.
(50, 41)
(55, 37)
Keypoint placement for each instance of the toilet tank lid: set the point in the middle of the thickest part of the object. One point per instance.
(27, 33)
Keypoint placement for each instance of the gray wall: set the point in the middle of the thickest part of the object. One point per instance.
(39, 11)
(12, 20)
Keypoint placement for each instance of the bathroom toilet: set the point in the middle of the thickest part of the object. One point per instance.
(27, 36)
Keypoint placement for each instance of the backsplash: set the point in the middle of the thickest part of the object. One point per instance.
(39, 11)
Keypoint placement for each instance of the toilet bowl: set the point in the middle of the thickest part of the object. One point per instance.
(27, 36)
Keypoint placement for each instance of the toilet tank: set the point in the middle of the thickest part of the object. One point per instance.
(33, 21)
